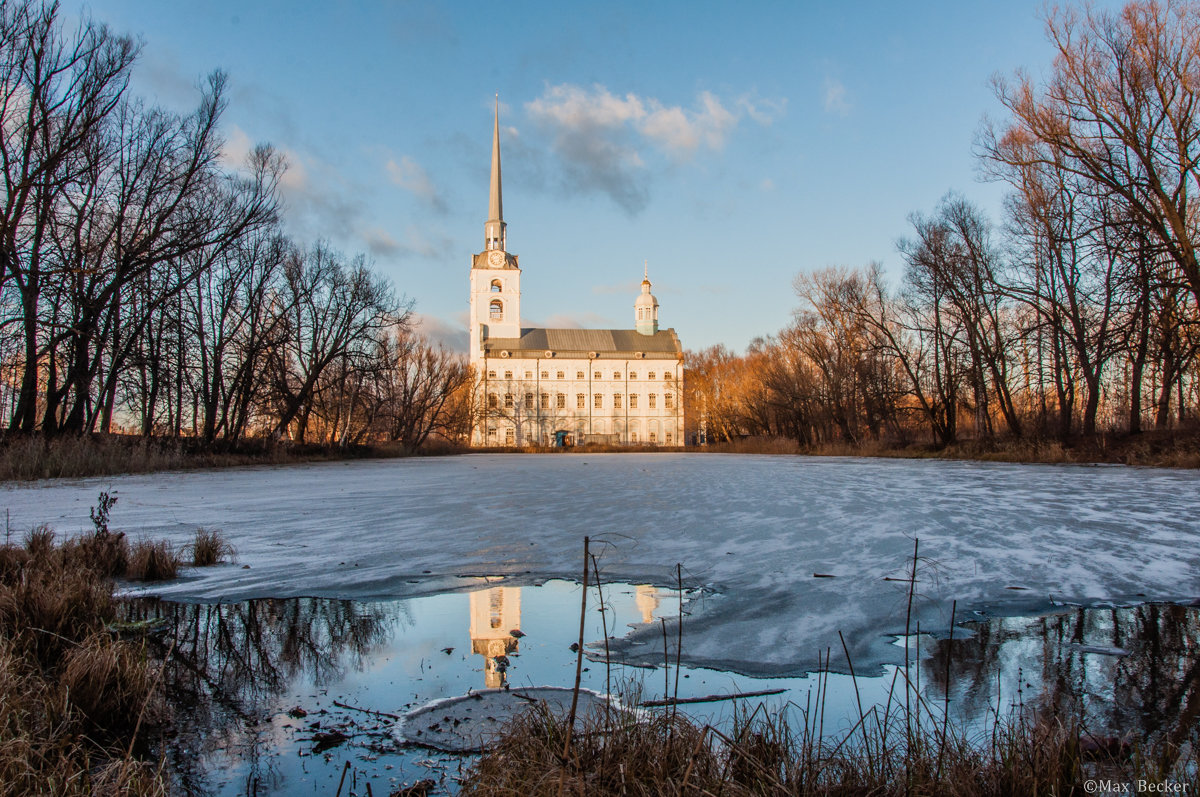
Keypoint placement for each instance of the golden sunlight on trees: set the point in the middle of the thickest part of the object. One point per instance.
(1075, 315)
(1119, 115)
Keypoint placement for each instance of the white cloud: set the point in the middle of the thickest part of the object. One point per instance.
(600, 138)
(835, 97)
(451, 334)
(761, 109)
(412, 177)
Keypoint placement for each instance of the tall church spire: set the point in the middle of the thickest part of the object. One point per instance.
(494, 230)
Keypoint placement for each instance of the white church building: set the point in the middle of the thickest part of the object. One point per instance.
(551, 387)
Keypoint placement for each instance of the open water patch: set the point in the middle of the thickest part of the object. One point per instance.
(290, 696)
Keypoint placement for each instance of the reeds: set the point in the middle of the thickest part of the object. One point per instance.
(152, 560)
(209, 547)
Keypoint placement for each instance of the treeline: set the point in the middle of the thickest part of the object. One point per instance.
(1074, 314)
(145, 283)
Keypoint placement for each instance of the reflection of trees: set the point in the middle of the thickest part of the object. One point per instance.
(1154, 690)
(229, 660)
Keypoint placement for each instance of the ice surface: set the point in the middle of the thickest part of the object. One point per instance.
(753, 528)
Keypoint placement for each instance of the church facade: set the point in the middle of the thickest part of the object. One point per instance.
(554, 387)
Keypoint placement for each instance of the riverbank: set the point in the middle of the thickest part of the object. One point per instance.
(1170, 448)
(82, 695)
(33, 458)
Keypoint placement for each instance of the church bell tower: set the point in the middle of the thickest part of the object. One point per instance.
(495, 275)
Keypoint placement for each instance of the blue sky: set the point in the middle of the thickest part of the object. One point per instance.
(732, 147)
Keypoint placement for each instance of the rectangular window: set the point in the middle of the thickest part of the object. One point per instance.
(653, 437)
(529, 374)
(598, 402)
(491, 374)
(560, 401)
(560, 375)
(545, 374)
(528, 401)
(666, 376)
(493, 401)
(633, 401)
(669, 400)
(545, 401)
(510, 436)
(653, 400)
(508, 374)
(616, 401)
(650, 375)
(597, 375)
(632, 375)
(633, 437)
(616, 374)
(508, 401)
(580, 401)
(579, 374)
(668, 438)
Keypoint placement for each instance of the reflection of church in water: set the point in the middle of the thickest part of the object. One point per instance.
(496, 615)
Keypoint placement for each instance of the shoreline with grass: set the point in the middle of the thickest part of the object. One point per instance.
(81, 691)
(36, 458)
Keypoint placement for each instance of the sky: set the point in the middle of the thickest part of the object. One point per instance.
(729, 147)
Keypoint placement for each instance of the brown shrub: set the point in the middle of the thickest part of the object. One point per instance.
(39, 542)
(210, 547)
(105, 554)
(152, 561)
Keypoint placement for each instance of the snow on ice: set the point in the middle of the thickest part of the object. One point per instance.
(753, 530)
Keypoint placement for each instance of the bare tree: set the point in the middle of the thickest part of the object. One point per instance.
(56, 93)
(1120, 111)
(330, 309)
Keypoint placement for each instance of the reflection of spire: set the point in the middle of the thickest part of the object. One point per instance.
(646, 598)
(495, 614)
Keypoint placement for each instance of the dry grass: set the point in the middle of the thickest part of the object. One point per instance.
(27, 458)
(209, 547)
(112, 683)
(783, 754)
(70, 693)
(1172, 448)
(152, 560)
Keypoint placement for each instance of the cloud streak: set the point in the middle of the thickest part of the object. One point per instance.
(412, 177)
(835, 100)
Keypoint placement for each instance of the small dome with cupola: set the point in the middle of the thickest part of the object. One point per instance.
(645, 308)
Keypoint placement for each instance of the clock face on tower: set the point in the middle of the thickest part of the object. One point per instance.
(496, 257)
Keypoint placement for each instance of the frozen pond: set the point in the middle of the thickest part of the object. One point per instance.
(750, 531)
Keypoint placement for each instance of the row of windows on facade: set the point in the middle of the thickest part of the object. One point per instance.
(510, 437)
(579, 375)
(560, 401)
